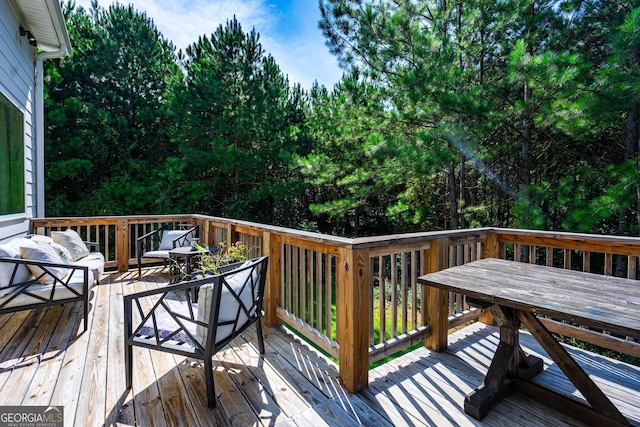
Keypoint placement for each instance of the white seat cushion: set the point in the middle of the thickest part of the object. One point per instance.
(166, 324)
(156, 254)
(44, 290)
(95, 262)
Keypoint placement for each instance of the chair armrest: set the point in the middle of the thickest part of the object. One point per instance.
(182, 286)
(93, 246)
(43, 263)
(44, 266)
(143, 243)
(151, 233)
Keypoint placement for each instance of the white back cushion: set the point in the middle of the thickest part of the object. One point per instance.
(229, 306)
(44, 253)
(168, 237)
(72, 241)
(22, 273)
(41, 238)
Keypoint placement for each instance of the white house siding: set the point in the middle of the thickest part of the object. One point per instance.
(17, 83)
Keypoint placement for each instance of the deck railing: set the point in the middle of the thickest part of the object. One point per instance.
(358, 299)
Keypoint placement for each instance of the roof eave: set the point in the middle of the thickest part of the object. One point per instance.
(44, 19)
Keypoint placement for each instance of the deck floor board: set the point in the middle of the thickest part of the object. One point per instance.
(46, 359)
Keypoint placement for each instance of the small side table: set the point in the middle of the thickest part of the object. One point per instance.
(183, 260)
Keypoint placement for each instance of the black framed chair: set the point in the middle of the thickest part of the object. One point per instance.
(197, 318)
(158, 243)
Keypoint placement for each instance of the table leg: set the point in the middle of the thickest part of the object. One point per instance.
(600, 403)
(508, 364)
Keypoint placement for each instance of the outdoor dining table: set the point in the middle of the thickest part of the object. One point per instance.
(517, 293)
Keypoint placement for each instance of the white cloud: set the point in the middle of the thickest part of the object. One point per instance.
(292, 37)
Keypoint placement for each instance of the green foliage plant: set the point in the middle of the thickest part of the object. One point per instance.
(212, 263)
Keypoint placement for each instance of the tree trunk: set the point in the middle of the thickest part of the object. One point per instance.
(631, 150)
(527, 127)
(453, 199)
(462, 191)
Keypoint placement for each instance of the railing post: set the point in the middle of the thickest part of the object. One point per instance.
(230, 239)
(490, 250)
(122, 244)
(271, 300)
(437, 307)
(353, 294)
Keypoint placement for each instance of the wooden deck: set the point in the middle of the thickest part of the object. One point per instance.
(46, 360)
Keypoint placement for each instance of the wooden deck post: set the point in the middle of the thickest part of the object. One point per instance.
(230, 237)
(489, 250)
(271, 301)
(122, 244)
(436, 299)
(353, 294)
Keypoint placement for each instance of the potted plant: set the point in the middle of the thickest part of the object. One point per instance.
(211, 263)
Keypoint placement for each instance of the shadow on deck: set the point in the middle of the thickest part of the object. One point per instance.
(46, 360)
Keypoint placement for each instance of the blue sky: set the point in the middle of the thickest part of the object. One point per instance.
(288, 30)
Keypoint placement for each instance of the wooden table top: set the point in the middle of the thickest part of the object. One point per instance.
(606, 302)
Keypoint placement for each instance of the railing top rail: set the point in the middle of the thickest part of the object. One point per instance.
(113, 218)
(368, 242)
(299, 234)
(560, 235)
(361, 242)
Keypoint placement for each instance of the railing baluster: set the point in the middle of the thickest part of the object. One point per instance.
(452, 303)
(290, 278)
(319, 290)
(383, 300)
(405, 294)
(296, 281)
(414, 290)
(328, 300)
(452, 257)
(394, 295)
(371, 301)
(284, 262)
(608, 264)
(586, 261)
(631, 267)
(532, 254)
(302, 290)
(310, 311)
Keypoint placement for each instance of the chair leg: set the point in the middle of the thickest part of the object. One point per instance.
(128, 363)
(86, 314)
(260, 338)
(208, 374)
